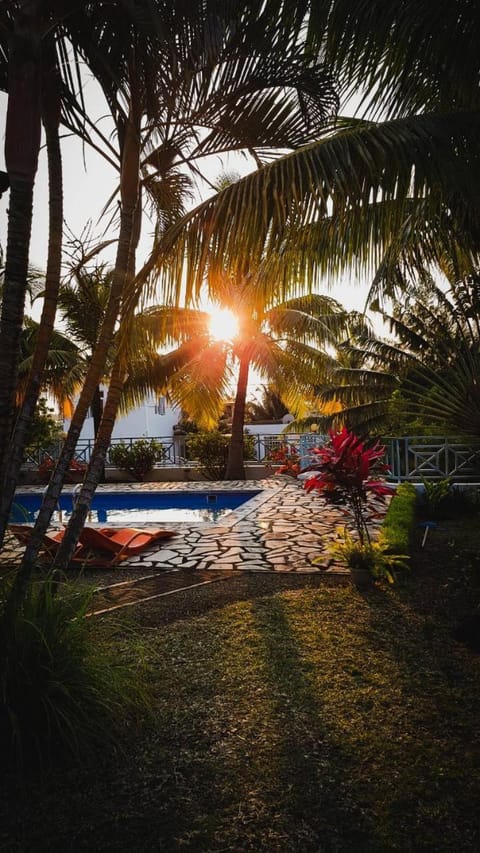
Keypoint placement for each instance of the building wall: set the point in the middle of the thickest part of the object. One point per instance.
(147, 421)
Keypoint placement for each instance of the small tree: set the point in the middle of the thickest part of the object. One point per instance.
(343, 472)
(139, 458)
(44, 430)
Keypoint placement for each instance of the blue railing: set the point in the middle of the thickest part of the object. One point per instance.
(408, 457)
(175, 449)
(433, 458)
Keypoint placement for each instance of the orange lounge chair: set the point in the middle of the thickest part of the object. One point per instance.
(123, 542)
(102, 547)
(51, 540)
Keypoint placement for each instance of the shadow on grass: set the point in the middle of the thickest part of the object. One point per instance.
(433, 744)
(307, 769)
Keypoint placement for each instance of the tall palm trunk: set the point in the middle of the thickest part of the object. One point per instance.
(22, 145)
(95, 468)
(51, 121)
(103, 433)
(235, 463)
(97, 413)
(129, 194)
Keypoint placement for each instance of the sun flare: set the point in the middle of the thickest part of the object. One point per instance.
(223, 324)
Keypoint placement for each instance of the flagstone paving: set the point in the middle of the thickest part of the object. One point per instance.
(280, 529)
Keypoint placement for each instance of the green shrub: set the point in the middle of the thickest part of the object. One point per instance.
(437, 495)
(443, 499)
(373, 557)
(138, 458)
(210, 450)
(399, 521)
(61, 693)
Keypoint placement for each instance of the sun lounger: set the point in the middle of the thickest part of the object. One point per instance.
(122, 541)
(103, 547)
(51, 541)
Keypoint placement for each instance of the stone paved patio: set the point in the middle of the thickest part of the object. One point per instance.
(281, 529)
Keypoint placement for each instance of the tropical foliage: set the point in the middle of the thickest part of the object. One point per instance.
(343, 470)
(287, 457)
(429, 369)
(380, 198)
(371, 558)
(241, 80)
(61, 695)
(268, 406)
(284, 341)
(210, 451)
(138, 458)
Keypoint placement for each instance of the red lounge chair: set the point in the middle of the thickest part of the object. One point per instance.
(51, 540)
(122, 541)
(102, 547)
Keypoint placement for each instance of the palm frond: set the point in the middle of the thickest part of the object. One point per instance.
(337, 177)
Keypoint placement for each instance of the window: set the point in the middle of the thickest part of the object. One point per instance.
(160, 406)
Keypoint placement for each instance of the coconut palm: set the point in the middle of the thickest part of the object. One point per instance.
(32, 32)
(241, 82)
(284, 342)
(22, 144)
(267, 407)
(63, 371)
(432, 363)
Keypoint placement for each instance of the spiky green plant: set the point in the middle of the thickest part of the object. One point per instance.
(373, 557)
(62, 694)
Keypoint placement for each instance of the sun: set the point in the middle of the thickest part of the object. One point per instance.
(223, 324)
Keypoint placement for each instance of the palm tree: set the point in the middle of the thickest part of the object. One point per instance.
(22, 144)
(432, 363)
(82, 303)
(31, 33)
(241, 80)
(64, 367)
(268, 407)
(51, 109)
(280, 340)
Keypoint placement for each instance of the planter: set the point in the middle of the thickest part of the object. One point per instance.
(362, 578)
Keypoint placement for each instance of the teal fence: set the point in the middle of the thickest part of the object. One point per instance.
(408, 457)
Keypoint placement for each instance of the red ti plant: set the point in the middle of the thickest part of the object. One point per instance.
(288, 458)
(343, 471)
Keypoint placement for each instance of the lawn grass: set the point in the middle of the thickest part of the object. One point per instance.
(319, 719)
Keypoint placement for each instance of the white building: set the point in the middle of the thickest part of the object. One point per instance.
(154, 419)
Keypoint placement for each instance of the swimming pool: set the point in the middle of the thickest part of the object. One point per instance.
(140, 507)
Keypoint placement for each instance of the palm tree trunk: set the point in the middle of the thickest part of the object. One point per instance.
(22, 145)
(235, 463)
(97, 413)
(104, 430)
(129, 194)
(51, 121)
(95, 468)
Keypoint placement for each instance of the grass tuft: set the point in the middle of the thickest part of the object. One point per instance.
(61, 694)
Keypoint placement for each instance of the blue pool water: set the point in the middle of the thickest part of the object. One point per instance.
(140, 507)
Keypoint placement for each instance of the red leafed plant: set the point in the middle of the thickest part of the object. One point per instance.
(288, 458)
(48, 464)
(343, 471)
